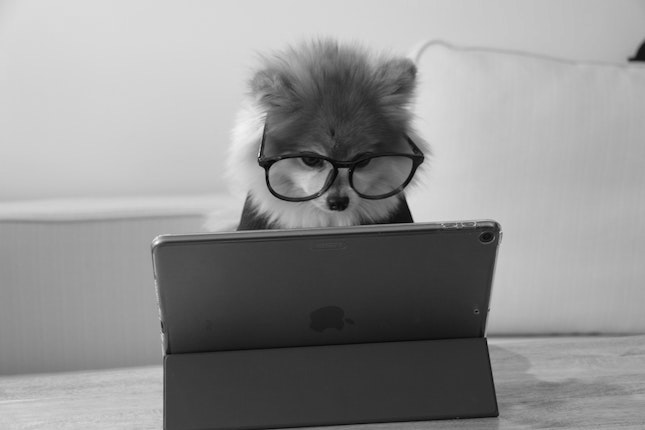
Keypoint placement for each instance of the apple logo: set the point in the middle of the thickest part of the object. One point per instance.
(328, 317)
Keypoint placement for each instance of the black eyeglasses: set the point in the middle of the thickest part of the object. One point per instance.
(302, 176)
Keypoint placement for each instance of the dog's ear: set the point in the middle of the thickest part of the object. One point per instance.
(272, 87)
(398, 78)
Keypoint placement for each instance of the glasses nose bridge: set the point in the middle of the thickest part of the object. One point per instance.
(336, 176)
(343, 164)
(347, 165)
(338, 165)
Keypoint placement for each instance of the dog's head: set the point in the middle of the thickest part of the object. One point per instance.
(327, 106)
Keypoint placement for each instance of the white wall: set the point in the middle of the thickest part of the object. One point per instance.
(109, 98)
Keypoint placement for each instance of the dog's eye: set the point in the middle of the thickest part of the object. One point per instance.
(312, 161)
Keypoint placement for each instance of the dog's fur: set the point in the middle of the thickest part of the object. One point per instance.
(332, 99)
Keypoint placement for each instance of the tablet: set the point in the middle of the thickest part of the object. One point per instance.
(325, 286)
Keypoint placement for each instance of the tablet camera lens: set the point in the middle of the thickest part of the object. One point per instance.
(486, 237)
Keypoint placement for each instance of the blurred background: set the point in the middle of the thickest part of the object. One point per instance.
(114, 126)
(118, 98)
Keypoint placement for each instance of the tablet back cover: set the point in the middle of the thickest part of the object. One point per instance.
(267, 289)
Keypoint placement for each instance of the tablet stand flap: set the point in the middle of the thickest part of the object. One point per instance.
(326, 385)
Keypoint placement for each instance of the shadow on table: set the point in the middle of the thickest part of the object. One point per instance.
(526, 401)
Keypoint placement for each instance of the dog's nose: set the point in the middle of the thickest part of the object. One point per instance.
(337, 203)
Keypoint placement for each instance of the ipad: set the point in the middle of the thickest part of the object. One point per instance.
(325, 286)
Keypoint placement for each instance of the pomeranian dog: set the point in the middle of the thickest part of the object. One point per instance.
(324, 138)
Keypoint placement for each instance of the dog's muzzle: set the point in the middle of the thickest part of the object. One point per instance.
(337, 203)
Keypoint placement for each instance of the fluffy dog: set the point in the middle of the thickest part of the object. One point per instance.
(324, 138)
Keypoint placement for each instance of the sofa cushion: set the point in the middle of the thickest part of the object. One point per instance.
(555, 151)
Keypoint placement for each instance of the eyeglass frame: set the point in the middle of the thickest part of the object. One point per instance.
(266, 162)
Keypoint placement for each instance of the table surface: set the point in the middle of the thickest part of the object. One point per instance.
(555, 382)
